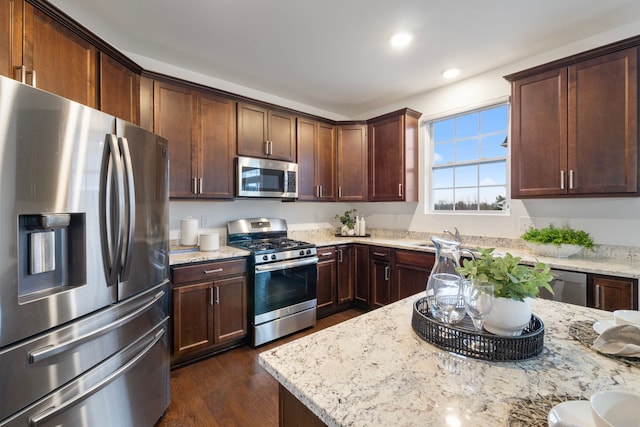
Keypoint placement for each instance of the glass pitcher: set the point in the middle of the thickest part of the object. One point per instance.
(447, 260)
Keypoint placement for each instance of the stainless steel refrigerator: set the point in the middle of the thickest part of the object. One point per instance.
(83, 265)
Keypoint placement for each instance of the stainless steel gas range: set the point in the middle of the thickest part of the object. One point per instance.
(283, 276)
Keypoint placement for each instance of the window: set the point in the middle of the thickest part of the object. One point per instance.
(469, 160)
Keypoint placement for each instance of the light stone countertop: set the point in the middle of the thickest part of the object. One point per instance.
(374, 370)
(611, 266)
(186, 256)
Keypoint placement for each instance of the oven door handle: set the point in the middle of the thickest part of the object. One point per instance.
(283, 265)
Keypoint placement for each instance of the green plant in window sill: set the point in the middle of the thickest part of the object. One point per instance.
(552, 235)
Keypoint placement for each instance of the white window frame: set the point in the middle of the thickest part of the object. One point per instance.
(427, 123)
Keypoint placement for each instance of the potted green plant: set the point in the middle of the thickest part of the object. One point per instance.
(514, 286)
(557, 242)
(348, 220)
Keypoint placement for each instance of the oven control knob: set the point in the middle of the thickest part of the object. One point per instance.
(265, 258)
(308, 251)
(273, 256)
(301, 253)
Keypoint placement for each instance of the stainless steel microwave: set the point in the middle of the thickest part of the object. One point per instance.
(266, 178)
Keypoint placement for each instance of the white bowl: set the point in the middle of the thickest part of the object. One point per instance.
(571, 413)
(627, 317)
(615, 409)
(551, 250)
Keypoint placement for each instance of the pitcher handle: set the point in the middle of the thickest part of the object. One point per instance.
(465, 250)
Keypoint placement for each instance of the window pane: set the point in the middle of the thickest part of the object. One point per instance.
(467, 150)
(443, 153)
(443, 200)
(467, 125)
(494, 119)
(466, 199)
(467, 176)
(443, 130)
(493, 198)
(443, 178)
(493, 174)
(491, 146)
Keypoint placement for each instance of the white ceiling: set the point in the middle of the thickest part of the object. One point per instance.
(335, 55)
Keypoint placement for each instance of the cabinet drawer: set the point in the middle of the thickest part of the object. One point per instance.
(418, 259)
(210, 270)
(380, 253)
(327, 253)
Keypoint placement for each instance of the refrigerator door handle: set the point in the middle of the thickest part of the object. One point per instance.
(39, 354)
(130, 208)
(42, 417)
(111, 217)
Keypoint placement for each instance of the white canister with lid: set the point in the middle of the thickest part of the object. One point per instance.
(189, 231)
(209, 241)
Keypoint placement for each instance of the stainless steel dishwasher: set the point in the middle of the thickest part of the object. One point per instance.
(568, 286)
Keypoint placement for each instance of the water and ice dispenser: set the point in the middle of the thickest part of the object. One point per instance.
(48, 246)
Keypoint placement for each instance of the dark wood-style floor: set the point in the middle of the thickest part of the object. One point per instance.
(231, 389)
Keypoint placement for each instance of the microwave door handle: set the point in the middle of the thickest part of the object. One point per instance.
(111, 186)
(130, 207)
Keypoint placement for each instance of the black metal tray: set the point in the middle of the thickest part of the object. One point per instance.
(462, 338)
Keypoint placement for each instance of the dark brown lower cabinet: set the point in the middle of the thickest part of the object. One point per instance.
(326, 285)
(345, 274)
(612, 293)
(209, 308)
(411, 271)
(362, 290)
(380, 275)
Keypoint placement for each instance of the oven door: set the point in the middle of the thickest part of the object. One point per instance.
(280, 288)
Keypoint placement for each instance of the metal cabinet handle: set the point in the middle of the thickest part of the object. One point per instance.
(266, 148)
(571, 179)
(339, 255)
(194, 187)
(33, 78)
(386, 273)
(200, 189)
(400, 190)
(217, 294)
(326, 253)
(562, 179)
(340, 191)
(379, 254)
(20, 73)
(597, 296)
(217, 270)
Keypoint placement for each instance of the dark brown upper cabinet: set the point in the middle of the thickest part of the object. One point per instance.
(393, 157)
(574, 128)
(316, 160)
(351, 163)
(266, 133)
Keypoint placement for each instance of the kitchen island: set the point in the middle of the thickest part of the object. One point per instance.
(374, 370)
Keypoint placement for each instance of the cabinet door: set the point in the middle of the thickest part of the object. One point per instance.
(351, 163)
(345, 274)
(326, 162)
(230, 309)
(411, 272)
(252, 130)
(119, 90)
(361, 286)
(603, 116)
(173, 112)
(216, 135)
(63, 63)
(307, 133)
(192, 318)
(282, 136)
(386, 160)
(381, 289)
(539, 135)
(613, 293)
(10, 36)
(326, 285)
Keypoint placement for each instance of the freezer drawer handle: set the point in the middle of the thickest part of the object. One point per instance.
(51, 350)
(42, 417)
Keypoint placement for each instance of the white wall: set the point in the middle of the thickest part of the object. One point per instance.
(610, 221)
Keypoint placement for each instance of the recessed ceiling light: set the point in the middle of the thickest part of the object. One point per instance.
(451, 73)
(400, 40)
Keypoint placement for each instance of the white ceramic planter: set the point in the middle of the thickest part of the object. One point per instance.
(508, 317)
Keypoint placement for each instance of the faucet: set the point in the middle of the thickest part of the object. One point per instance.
(455, 236)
